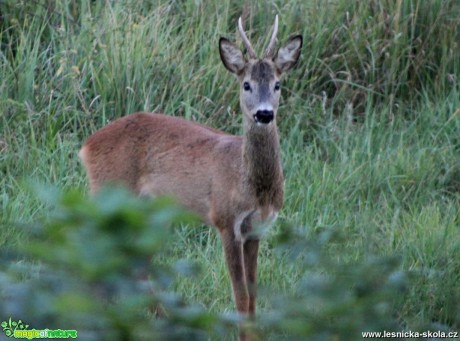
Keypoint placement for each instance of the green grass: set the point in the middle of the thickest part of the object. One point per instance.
(369, 121)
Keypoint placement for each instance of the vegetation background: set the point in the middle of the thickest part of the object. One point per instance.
(369, 238)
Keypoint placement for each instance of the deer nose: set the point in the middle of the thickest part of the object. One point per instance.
(264, 116)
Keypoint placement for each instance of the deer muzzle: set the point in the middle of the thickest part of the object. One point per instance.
(264, 116)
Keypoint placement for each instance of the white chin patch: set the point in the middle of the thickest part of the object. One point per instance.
(260, 124)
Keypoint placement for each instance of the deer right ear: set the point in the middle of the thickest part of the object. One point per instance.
(231, 56)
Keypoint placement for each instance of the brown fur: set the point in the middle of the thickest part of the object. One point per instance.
(154, 154)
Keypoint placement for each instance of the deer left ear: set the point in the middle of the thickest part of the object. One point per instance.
(288, 55)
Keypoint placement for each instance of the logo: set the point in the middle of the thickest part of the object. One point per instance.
(19, 330)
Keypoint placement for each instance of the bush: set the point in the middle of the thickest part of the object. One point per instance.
(80, 270)
(84, 269)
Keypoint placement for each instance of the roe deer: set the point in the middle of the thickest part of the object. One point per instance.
(234, 183)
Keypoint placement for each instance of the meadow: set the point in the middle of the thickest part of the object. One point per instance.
(369, 123)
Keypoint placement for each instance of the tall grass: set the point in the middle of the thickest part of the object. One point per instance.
(370, 122)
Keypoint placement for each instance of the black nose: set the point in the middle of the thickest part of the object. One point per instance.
(264, 116)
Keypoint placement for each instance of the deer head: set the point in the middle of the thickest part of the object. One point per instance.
(259, 78)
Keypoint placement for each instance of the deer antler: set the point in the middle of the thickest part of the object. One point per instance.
(271, 46)
(247, 43)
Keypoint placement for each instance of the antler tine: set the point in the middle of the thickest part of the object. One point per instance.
(271, 45)
(247, 44)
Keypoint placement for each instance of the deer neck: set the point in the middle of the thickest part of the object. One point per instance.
(262, 164)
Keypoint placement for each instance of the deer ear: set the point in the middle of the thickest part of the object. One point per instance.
(231, 56)
(288, 55)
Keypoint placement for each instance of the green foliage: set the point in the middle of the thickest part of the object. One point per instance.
(90, 254)
(333, 299)
(93, 258)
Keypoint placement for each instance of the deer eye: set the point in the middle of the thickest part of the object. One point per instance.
(277, 86)
(246, 86)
